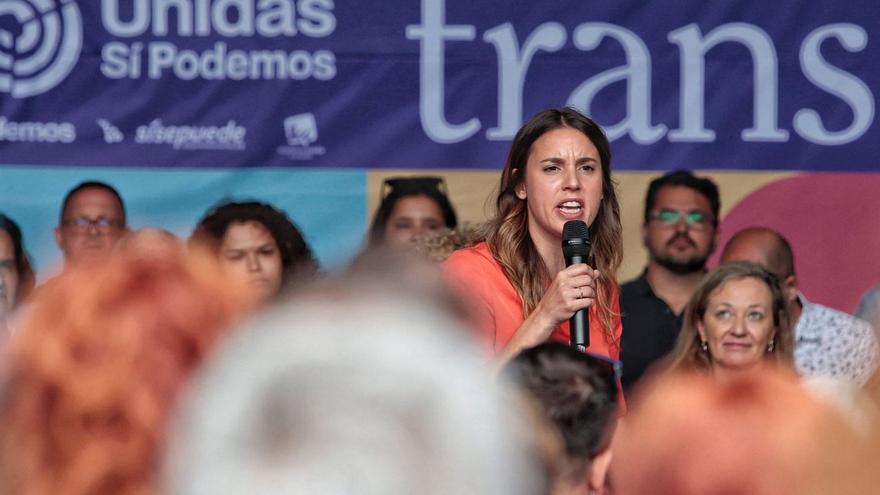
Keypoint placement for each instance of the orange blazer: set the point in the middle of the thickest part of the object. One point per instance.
(474, 273)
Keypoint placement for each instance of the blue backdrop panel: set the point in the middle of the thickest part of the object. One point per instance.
(327, 205)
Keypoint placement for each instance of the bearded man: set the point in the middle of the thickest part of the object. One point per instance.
(679, 232)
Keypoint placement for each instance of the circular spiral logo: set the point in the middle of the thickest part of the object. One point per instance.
(40, 42)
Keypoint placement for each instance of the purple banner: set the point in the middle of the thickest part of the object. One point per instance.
(785, 85)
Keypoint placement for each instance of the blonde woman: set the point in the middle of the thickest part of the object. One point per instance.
(735, 322)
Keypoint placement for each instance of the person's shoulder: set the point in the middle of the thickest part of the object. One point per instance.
(635, 287)
(473, 265)
(478, 254)
(829, 312)
(820, 314)
(629, 285)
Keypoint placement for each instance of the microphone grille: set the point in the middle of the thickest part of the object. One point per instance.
(575, 239)
(575, 229)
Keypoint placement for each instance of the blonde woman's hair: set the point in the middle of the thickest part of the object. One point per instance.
(688, 352)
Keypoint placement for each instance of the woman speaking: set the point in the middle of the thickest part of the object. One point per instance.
(558, 169)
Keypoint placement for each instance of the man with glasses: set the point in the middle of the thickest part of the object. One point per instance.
(92, 221)
(827, 342)
(679, 232)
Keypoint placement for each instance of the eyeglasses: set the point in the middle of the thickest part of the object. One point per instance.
(101, 224)
(693, 218)
(613, 366)
(413, 185)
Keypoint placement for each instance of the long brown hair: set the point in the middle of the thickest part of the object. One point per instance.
(688, 352)
(508, 233)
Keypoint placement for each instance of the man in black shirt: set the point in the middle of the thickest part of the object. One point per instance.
(679, 232)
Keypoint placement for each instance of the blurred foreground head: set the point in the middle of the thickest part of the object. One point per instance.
(759, 434)
(91, 375)
(151, 242)
(353, 388)
(577, 393)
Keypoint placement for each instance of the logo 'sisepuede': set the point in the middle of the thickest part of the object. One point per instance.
(42, 49)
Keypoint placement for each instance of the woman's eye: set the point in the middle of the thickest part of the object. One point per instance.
(267, 251)
(723, 313)
(756, 316)
(551, 168)
(234, 256)
(587, 167)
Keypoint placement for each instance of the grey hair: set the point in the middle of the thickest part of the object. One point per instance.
(350, 394)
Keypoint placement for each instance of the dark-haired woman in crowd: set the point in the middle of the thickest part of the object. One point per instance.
(16, 275)
(411, 207)
(257, 245)
(735, 322)
(558, 169)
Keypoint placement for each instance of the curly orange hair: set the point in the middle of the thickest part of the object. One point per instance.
(91, 377)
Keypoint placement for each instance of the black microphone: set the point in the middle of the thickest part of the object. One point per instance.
(576, 249)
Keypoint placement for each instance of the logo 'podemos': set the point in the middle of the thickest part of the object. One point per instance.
(40, 42)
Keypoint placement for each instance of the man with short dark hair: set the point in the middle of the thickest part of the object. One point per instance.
(827, 342)
(679, 232)
(16, 275)
(577, 393)
(92, 221)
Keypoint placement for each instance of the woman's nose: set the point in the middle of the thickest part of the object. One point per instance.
(739, 326)
(253, 263)
(571, 180)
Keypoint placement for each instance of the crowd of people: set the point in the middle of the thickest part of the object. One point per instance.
(439, 361)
